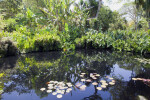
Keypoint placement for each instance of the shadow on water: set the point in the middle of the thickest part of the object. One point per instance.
(26, 74)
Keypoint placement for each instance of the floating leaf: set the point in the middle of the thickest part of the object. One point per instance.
(58, 91)
(50, 87)
(51, 81)
(61, 88)
(70, 89)
(111, 83)
(95, 83)
(83, 73)
(82, 87)
(47, 82)
(54, 93)
(103, 86)
(111, 78)
(94, 78)
(63, 92)
(139, 79)
(88, 80)
(55, 82)
(99, 88)
(134, 79)
(59, 96)
(49, 91)
(78, 84)
(42, 89)
(68, 83)
(97, 75)
(103, 81)
(83, 80)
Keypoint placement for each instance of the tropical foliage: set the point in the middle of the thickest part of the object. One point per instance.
(65, 25)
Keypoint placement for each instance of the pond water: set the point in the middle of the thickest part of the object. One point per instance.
(25, 76)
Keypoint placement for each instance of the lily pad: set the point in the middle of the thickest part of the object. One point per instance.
(83, 80)
(99, 88)
(95, 83)
(42, 89)
(88, 80)
(59, 96)
(54, 93)
(111, 83)
(103, 86)
(49, 91)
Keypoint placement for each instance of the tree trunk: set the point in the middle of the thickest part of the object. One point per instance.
(149, 19)
(99, 6)
(149, 23)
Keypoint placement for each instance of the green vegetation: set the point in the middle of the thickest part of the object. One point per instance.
(66, 25)
(117, 40)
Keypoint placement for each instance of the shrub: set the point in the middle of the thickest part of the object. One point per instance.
(7, 48)
(46, 42)
(118, 40)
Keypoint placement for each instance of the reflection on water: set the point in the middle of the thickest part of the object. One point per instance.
(27, 74)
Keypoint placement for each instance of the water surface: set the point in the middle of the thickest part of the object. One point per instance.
(25, 75)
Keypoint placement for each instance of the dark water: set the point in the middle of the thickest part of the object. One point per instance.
(25, 75)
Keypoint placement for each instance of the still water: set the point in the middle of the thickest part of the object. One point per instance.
(25, 75)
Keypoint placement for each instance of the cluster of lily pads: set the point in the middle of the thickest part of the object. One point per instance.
(94, 78)
(58, 88)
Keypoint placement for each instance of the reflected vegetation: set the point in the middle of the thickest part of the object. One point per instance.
(26, 73)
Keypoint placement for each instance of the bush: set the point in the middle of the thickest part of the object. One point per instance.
(118, 40)
(46, 43)
(7, 48)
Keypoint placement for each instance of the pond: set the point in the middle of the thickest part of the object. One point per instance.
(80, 75)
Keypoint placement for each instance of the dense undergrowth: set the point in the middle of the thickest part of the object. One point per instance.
(116, 40)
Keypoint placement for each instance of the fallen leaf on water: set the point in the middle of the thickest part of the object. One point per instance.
(47, 82)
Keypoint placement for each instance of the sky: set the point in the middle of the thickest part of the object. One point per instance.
(114, 4)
